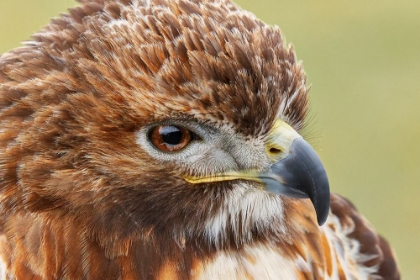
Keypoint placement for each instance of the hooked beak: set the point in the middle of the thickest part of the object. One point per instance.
(296, 170)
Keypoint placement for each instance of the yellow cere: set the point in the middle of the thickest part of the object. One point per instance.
(279, 140)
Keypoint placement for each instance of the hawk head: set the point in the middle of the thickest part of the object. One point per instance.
(138, 118)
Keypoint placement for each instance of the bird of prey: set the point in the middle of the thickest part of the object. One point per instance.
(160, 139)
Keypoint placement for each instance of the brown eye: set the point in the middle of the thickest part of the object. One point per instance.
(169, 138)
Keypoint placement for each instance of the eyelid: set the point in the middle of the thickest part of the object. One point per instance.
(199, 131)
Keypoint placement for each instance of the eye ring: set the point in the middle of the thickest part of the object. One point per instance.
(170, 138)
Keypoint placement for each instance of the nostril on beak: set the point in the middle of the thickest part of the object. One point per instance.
(275, 151)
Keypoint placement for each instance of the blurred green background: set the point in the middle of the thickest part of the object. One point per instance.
(363, 61)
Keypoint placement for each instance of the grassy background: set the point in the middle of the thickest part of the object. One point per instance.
(363, 61)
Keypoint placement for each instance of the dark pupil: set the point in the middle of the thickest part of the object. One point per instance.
(171, 135)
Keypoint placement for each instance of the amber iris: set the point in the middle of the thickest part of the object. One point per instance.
(169, 138)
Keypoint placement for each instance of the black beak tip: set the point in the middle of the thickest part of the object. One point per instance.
(322, 209)
(319, 193)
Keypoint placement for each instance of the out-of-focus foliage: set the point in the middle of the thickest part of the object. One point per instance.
(363, 61)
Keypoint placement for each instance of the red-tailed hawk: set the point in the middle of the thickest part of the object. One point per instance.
(159, 139)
